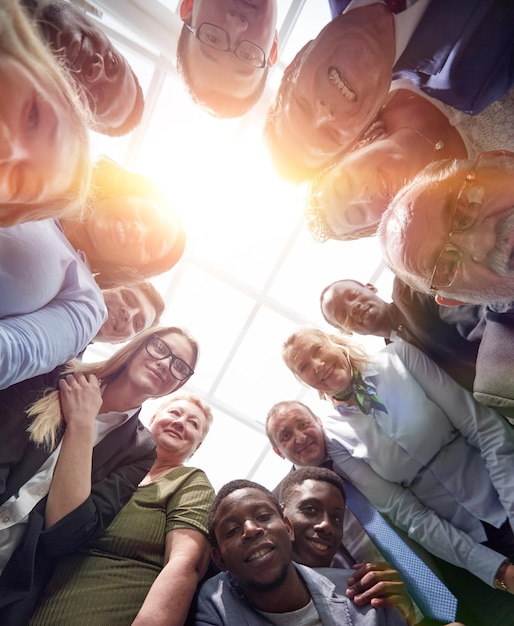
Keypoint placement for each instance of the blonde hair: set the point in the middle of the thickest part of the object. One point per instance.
(46, 412)
(194, 399)
(357, 356)
(19, 40)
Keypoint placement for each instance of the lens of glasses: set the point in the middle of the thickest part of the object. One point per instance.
(213, 36)
(446, 268)
(180, 369)
(251, 54)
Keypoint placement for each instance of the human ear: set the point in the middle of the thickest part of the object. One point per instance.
(289, 526)
(443, 301)
(277, 451)
(218, 559)
(186, 8)
(371, 287)
(273, 55)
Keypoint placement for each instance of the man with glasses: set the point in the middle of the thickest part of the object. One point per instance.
(450, 232)
(225, 50)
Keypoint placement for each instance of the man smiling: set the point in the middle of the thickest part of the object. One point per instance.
(337, 83)
(101, 74)
(130, 309)
(451, 231)
(259, 583)
(314, 500)
(225, 50)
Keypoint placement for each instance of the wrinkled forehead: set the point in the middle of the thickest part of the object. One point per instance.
(288, 416)
(415, 231)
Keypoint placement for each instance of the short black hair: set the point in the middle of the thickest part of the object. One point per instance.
(299, 476)
(226, 490)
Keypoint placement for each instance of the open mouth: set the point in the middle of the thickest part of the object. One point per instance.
(343, 87)
(259, 554)
(320, 547)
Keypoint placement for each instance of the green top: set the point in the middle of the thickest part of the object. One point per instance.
(106, 584)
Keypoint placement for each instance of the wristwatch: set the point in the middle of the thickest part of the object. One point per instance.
(499, 582)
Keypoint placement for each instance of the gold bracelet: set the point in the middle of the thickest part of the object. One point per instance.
(499, 579)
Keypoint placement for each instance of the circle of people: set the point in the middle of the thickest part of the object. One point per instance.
(400, 116)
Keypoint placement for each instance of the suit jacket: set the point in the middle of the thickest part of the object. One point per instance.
(450, 336)
(221, 601)
(461, 53)
(494, 382)
(120, 461)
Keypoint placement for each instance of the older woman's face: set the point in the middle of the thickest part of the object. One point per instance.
(179, 427)
(38, 152)
(129, 230)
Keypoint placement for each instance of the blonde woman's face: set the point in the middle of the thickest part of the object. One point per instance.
(153, 377)
(320, 364)
(38, 152)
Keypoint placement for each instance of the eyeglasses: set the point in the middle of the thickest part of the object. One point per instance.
(217, 38)
(160, 350)
(464, 215)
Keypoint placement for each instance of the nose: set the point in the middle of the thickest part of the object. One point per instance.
(178, 422)
(96, 69)
(236, 25)
(477, 241)
(251, 529)
(317, 364)
(355, 308)
(127, 314)
(323, 114)
(323, 525)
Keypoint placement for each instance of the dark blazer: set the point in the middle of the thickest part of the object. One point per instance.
(450, 336)
(120, 461)
(461, 53)
(494, 382)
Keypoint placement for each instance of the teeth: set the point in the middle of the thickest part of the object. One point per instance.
(259, 553)
(343, 87)
(122, 232)
(319, 546)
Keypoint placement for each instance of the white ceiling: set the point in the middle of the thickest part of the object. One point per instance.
(251, 272)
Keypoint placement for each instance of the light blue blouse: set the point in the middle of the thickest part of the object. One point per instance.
(436, 463)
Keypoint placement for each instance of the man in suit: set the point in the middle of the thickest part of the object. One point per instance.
(100, 72)
(450, 233)
(461, 53)
(449, 336)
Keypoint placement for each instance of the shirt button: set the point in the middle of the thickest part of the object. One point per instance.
(6, 519)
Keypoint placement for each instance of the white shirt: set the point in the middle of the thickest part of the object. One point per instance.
(14, 513)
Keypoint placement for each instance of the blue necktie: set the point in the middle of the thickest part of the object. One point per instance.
(433, 598)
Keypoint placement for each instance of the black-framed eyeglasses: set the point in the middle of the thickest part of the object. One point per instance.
(159, 350)
(217, 38)
(464, 215)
